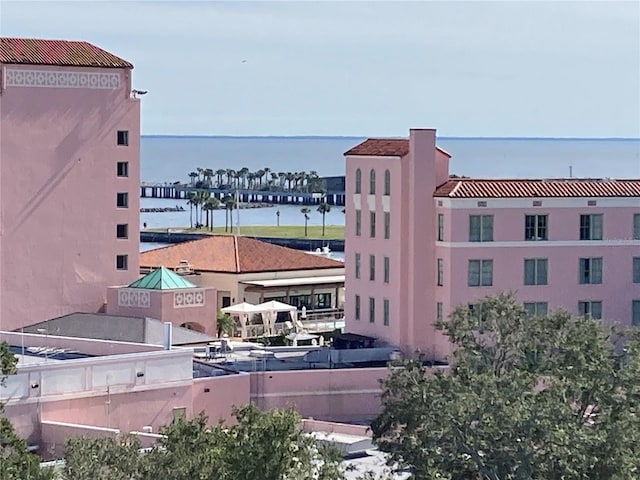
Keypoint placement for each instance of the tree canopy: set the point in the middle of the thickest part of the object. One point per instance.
(550, 397)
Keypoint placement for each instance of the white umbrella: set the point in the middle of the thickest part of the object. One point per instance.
(243, 310)
(271, 309)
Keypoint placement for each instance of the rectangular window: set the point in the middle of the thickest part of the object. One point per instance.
(387, 225)
(122, 262)
(440, 281)
(590, 309)
(357, 307)
(123, 137)
(536, 309)
(385, 311)
(322, 300)
(441, 227)
(635, 313)
(535, 227)
(358, 223)
(372, 224)
(636, 269)
(481, 228)
(357, 265)
(590, 271)
(372, 310)
(122, 200)
(591, 227)
(372, 267)
(122, 169)
(535, 271)
(122, 230)
(636, 226)
(439, 311)
(480, 273)
(386, 269)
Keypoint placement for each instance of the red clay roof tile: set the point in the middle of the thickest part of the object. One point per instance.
(537, 188)
(234, 254)
(34, 51)
(384, 147)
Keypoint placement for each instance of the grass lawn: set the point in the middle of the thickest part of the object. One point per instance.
(332, 232)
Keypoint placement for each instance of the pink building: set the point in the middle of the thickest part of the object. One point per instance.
(69, 177)
(419, 243)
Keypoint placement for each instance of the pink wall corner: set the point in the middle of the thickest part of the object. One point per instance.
(224, 393)
(201, 318)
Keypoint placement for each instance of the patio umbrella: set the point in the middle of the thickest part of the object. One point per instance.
(242, 310)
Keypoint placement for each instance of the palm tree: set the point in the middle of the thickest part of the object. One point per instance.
(231, 174)
(290, 177)
(191, 200)
(229, 205)
(305, 211)
(208, 175)
(202, 199)
(193, 176)
(225, 324)
(219, 173)
(210, 205)
(259, 174)
(324, 208)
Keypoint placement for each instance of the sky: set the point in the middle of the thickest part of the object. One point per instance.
(482, 69)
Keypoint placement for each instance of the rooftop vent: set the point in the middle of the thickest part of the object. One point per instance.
(184, 267)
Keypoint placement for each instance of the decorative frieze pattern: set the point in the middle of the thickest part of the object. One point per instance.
(188, 298)
(62, 79)
(133, 297)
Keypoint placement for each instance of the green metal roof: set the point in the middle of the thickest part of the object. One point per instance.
(162, 279)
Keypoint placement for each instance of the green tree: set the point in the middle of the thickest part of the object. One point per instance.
(16, 462)
(305, 211)
(324, 208)
(224, 324)
(211, 204)
(229, 204)
(525, 398)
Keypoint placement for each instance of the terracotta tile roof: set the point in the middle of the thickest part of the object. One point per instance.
(33, 51)
(537, 188)
(384, 147)
(234, 254)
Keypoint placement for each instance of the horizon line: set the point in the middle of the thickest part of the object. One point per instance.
(444, 137)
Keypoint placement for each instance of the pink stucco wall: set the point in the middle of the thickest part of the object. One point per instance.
(58, 187)
(216, 396)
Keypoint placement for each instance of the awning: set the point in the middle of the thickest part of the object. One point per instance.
(285, 282)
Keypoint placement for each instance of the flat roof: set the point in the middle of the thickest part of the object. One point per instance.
(283, 282)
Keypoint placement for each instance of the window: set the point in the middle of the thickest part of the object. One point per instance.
(386, 269)
(535, 227)
(357, 307)
(372, 224)
(590, 270)
(122, 169)
(635, 313)
(123, 137)
(372, 310)
(122, 200)
(480, 273)
(591, 227)
(387, 225)
(535, 271)
(357, 266)
(387, 182)
(372, 267)
(481, 228)
(122, 230)
(440, 281)
(441, 227)
(590, 309)
(636, 269)
(358, 181)
(439, 311)
(122, 262)
(372, 182)
(536, 309)
(300, 301)
(385, 311)
(322, 300)
(358, 223)
(636, 226)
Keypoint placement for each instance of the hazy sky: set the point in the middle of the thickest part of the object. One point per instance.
(546, 68)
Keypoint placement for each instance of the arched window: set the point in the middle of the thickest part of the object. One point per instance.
(387, 182)
(358, 181)
(372, 182)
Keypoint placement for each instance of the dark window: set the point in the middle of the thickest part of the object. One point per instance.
(385, 310)
(440, 280)
(535, 271)
(636, 269)
(535, 227)
(322, 300)
(372, 267)
(439, 311)
(591, 227)
(226, 302)
(358, 223)
(358, 181)
(387, 225)
(122, 200)
(480, 273)
(590, 309)
(122, 230)
(123, 137)
(357, 265)
(387, 182)
(441, 227)
(357, 307)
(372, 224)
(300, 301)
(372, 310)
(123, 169)
(636, 226)
(386, 269)
(481, 228)
(372, 182)
(635, 313)
(122, 262)
(590, 271)
(536, 309)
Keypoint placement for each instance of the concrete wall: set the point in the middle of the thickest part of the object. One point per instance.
(216, 396)
(58, 189)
